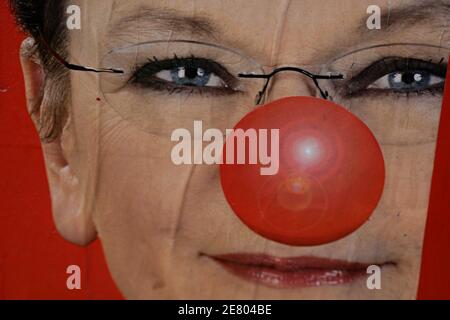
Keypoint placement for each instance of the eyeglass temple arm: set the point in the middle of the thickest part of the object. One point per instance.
(314, 77)
(76, 67)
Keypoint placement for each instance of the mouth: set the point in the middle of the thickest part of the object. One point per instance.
(293, 272)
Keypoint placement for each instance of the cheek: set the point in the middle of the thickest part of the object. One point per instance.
(397, 120)
(402, 211)
(137, 182)
(138, 195)
(408, 175)
(407, 134)
(142, 197)
(406, 130)
(148, 210)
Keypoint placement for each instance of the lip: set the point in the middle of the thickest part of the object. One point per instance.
(292, 272)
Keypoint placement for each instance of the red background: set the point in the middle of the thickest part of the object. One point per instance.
(34, 258)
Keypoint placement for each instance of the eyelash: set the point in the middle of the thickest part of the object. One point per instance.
(357, 86)
(144, 76)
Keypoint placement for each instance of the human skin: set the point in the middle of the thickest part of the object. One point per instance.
(112, 180)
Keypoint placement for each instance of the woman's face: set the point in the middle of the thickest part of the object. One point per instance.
(160, 223)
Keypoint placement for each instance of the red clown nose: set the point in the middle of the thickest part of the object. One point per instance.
(330, 175)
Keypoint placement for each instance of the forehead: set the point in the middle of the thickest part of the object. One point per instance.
(256, 26)
(295, 31)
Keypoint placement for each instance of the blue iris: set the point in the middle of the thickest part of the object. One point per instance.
(409, 80)
(189, 76)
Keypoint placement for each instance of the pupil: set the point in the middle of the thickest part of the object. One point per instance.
(191, 73)
(408, 78)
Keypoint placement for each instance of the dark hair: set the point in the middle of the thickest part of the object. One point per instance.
(44, 19)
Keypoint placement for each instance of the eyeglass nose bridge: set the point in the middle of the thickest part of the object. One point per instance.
(314, 77)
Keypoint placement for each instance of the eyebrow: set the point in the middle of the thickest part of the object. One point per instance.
(151, 23)
(154, 20)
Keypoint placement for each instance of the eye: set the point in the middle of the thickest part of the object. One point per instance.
(398, 75)
(191, 76)
(178, 74)
(405, 81)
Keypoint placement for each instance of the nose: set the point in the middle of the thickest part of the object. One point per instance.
(330, 169)
(289, 83)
